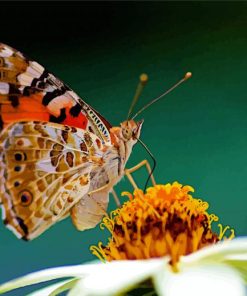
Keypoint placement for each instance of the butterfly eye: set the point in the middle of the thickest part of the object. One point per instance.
(127, 133)
(26, 198)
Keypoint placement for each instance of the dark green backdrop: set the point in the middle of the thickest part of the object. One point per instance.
(198, 134)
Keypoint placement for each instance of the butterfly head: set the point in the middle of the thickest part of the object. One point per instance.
(130, 130)
(127, 133)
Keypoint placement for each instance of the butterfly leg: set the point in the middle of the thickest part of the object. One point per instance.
(98, 189)
(116, 199)
(128, 173)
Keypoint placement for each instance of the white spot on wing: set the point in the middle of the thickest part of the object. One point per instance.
(14, 230)
(4, 88)
(74, 95)
(37, 67)
(25, 79)
(33, 72)
(58, 103)
(3, 212)
(45, 166)
(16, 130)
(6, 52)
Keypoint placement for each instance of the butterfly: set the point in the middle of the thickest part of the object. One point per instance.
(58, 156)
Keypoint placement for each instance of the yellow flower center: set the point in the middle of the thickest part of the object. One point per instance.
(166, 220)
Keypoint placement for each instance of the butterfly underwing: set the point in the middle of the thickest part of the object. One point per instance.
(58, 156)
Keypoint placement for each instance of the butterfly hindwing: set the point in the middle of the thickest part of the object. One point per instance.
(88, 212)
(45, 171)
(29, 92)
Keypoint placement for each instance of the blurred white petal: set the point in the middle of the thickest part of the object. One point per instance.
(238, 257)
(55, 289)
(117, 276)
(203, 280)
(209, 271)
(239, 264)
(218, 252)
(49, 274)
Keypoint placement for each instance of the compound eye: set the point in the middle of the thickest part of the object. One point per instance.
(127, 133)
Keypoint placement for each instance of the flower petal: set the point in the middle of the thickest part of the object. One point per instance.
(116, 277)
(203, 280)
(240, 264)
(218, 252)
(49, 274)
(54, 289)
(232, 253)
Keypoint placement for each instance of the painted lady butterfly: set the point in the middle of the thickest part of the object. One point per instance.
(58, 156)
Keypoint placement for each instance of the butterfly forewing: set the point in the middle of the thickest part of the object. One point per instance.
(29, 92)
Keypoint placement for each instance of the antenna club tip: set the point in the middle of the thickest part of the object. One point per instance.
(188, 75)
(143, 78)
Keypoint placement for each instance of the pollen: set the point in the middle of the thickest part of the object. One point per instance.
(164, 221)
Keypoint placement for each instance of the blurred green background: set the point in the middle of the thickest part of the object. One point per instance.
(198, 133)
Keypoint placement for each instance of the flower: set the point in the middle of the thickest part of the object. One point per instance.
(215, 269)
(162, 241)
(166, 220)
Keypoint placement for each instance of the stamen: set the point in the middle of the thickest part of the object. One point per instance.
(223, 230)
(98, 252)
(107, 223)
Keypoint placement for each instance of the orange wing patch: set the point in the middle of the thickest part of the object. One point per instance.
(80, 121)
(29, 108)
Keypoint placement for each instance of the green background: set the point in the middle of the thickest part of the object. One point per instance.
(198, 133)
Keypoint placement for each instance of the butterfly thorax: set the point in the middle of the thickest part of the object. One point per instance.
(123, 139)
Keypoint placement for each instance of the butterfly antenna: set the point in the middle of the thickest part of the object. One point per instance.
(154, 161)
(140, 86)
(186, 77)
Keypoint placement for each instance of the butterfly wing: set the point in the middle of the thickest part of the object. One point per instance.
(88, 212)
(33, 193)
(45, 170)
(29, 92)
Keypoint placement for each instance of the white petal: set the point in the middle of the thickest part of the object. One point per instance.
(239, 263)
(232, 253)
(204, 280)
(218, 252)
(239, 257)
(54, 289)
(49, 274)
(116, 277)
